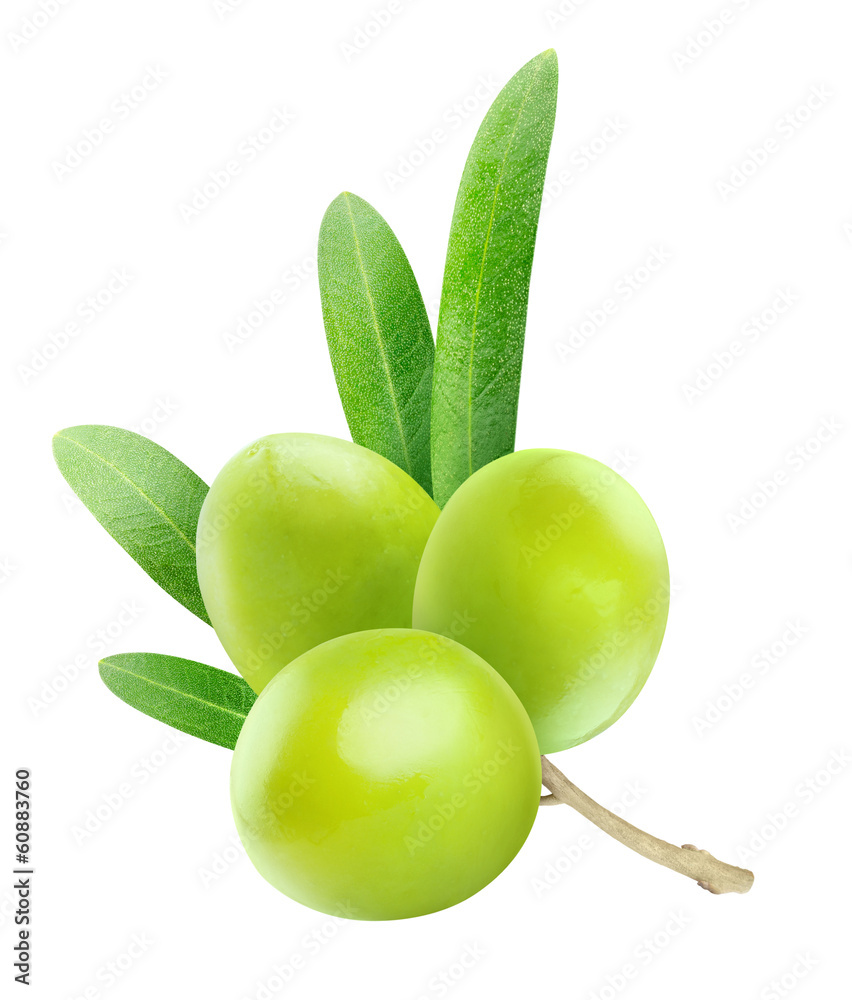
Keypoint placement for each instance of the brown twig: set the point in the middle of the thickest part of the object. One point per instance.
(710, 873)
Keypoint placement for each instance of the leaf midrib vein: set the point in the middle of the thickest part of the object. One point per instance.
(379, 339)
(174, 690)
(482, 272)
(138, 489)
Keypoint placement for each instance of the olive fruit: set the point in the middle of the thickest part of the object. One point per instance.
(303, 538)
(549, 565)
(385, 774)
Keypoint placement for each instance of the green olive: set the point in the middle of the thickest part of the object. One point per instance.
(303, 538)
(549, 565)
(385, 774)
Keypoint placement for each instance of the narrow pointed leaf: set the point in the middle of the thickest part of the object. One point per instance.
(487, 278)
(146, 499)
(378, 334)
(203, 701)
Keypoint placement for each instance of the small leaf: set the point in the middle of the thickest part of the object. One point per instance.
(378, 334)
(487, 278)
(192, 697)
(147, 499)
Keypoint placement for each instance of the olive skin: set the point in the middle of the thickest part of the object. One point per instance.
(303, 538)
(385, 774)
(550, 566)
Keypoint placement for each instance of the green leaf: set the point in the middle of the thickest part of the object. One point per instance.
(200, 700)
(378, 334)
(487, 277)
(146, 499)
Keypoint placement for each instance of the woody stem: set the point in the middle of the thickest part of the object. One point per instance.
(710, 873)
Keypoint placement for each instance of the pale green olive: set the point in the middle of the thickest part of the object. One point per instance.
(303, 538)
(549, 565)
(385, 774)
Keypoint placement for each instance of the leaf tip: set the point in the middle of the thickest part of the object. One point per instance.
(58, 442)
(350, 198)
(344, 196)
(551, 60)
(338, 204)
(72, 435)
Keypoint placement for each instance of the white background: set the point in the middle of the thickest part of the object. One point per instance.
(683, 129)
